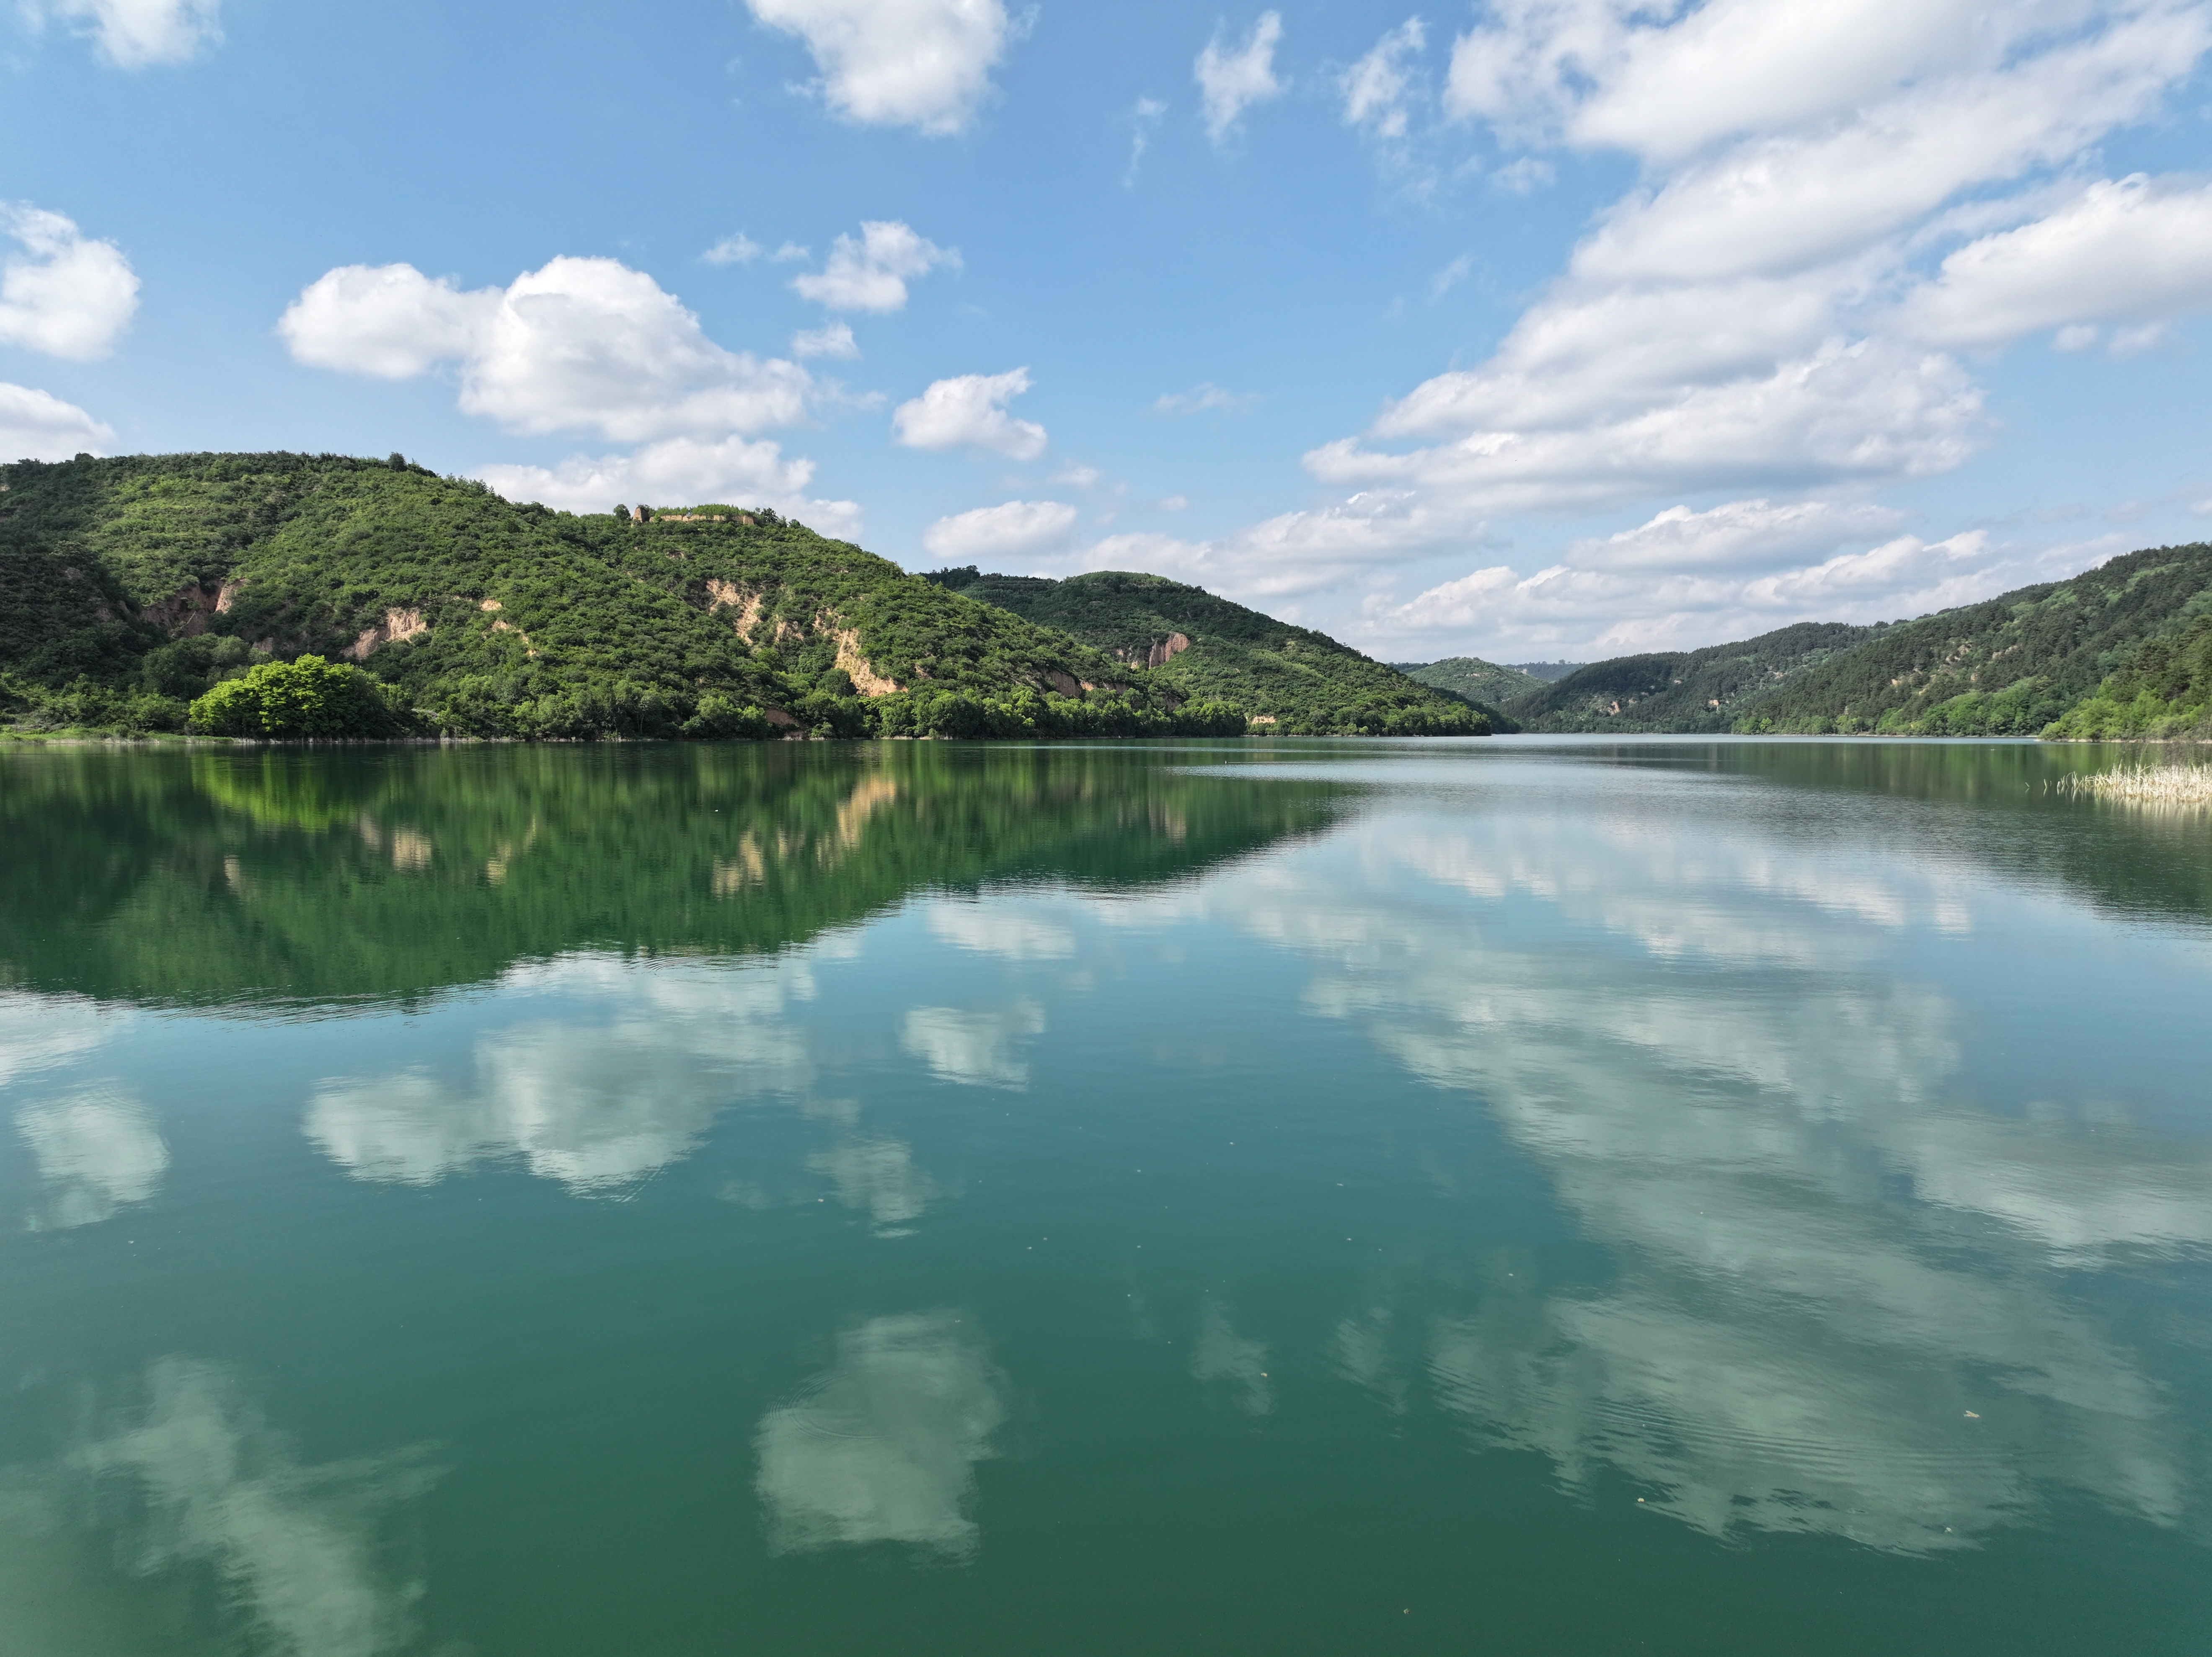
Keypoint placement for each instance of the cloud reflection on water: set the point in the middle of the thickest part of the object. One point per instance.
(595, 1103)
(38, 1032)
(194, 1479)
(1238, 1362)
(97, 1152)
(884, 1447)
(976, 1049)
(877, 1174)
(1704, 1039)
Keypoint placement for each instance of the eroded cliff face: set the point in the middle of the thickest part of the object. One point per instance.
(1162, 652)
(184, 614)
(399, 625)
(866, 679)
(748, 604)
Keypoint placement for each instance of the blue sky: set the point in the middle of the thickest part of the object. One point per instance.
(1528, 329)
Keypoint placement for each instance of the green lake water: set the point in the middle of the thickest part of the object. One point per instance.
(1510, 1197)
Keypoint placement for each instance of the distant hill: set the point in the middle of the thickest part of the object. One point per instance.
(2016, 664)
(1483, 683)
(2121, 651)
(1549, 672)
(129, 586)
(1707, 690)
(1288, 679)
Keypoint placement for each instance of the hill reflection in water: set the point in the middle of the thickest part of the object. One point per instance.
(294, 875)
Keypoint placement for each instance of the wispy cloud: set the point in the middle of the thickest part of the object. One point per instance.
(1143, 118)
(1231, 79)
(1204, 397)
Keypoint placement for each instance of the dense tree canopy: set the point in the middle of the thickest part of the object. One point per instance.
(132, 588)
(1289, 679)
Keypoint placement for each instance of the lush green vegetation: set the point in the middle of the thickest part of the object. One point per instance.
(2164, 692)
(1486, 684)
(132, 587)
(2120, 651)
(219, 874)
(2020, 664)
(1291, 680)
(307, 698)
(1703, 689)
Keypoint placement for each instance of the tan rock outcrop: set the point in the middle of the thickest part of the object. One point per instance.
(398, 626)
(185, 613)
(729, 595)
(866, 679)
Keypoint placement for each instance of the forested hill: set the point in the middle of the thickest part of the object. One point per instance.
(1289, 679)
(1707, 690)
(130, 587)
(2025, 662)
(2122, 651)
(1484, 682)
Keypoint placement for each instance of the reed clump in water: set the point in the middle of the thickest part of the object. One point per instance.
(2146, 785)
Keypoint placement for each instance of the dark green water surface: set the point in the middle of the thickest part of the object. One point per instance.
(1271, 1198)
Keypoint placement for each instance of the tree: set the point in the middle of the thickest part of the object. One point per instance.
(308, 697)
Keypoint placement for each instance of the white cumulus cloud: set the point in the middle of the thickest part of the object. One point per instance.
(1664, 83)
(870, 272)
(969, 411)
(62, 293)
(140, 34)
(1827, 207)
(582, 344)
(1014, 529)
(1867, 410)
(388, 321)
(1740, 535)
(2134, 250)
(1593, 609)
(36, 425)
(681, 470)
(922, 64)
(1231, 79)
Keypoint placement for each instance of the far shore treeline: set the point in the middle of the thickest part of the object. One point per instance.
(323, 595)
(2121, 652)
(291, 596)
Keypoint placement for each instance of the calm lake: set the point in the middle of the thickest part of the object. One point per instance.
(1328, 1196)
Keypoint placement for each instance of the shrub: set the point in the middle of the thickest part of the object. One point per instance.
(308, 697)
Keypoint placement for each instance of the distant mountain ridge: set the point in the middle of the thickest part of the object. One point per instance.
(2123, 651)
(1289, 679)
(1707, 690)
(1485, 683)
(2012, 666)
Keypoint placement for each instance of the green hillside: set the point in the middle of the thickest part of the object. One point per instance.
(1291, 680)
(129, 586)
(1470, 676)
(2026, 661)
(1707, 690)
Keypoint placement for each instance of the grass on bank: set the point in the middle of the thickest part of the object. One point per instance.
(2146, 785)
